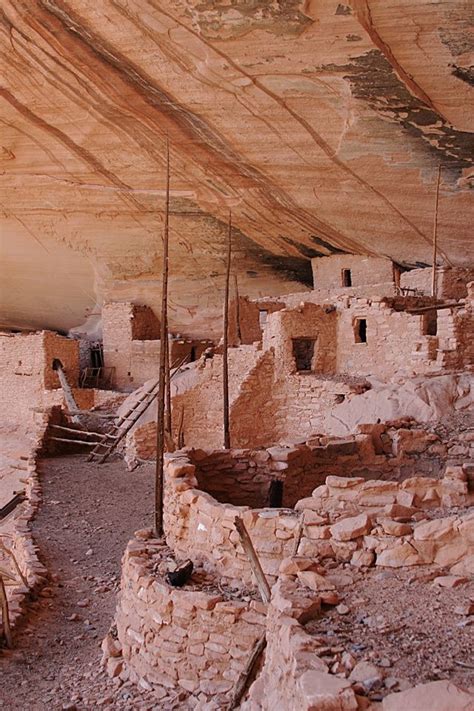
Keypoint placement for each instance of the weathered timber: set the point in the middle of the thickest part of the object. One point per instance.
(160, 414)
(5, 615)
(225, 345)
(247, 674)
(257, 570)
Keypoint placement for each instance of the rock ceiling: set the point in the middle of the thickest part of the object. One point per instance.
(320, 124)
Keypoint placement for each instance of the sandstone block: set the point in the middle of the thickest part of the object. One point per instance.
(292, 566)
(350, 528)
(314, 581)
(400, 555)
(436, 696)
(394, 528)
(326, 692)
(362, 559)
(450, 581)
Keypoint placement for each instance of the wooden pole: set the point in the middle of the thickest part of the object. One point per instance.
(160, 417)
(247, 545)
(237, 310)
(169, 420)
(225, 361)
(5, 614)
(435, 235)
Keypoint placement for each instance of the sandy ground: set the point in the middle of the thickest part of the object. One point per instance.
(88, 514)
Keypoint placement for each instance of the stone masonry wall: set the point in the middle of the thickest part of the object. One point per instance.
(192, 638)
(205, 490)
(308, 321)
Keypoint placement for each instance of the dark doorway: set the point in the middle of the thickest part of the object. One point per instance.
(97, 356)
(429, 324)
(346, 277)
(360, 330)
(303, 353)
(192, 355)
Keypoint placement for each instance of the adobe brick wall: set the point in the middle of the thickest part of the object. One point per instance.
(327, 271)
(195, 639)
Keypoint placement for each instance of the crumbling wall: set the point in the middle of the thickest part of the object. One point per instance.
(131, 334)
(246, 321)
(328, 271)
(450, 281)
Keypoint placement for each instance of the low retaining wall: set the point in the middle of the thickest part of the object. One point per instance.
(18, 535)
(195, 639)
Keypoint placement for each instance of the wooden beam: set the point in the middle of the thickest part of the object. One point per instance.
(75, 441)
(435, 235)
(169, 419)
(257, 570)
(435, 307)
(68, 394)
(225, 360)
(160, 415)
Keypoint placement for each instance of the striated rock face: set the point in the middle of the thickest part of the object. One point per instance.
(321, 124)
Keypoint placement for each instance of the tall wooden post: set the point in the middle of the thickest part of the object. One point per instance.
(168, 419)
(435, 236)
(225, 362)
(160, 417)
(237, 311)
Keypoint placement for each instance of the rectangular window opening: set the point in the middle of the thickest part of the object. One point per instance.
(262, 317)
(360, 330)
(346, 277)
(429, 323)
(303, 353)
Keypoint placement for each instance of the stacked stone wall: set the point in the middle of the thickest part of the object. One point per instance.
(196, 639)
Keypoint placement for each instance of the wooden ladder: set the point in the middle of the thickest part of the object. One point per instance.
(109, 441)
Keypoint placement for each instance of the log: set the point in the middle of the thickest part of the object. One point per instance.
(75, 441)
(5, 615)
(435, 236)
(257, 570)
(435, 307)
(81, 432)
(225, 347)
(160, 410)
(247, 673)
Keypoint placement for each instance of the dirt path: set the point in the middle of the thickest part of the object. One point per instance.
(88, 514)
